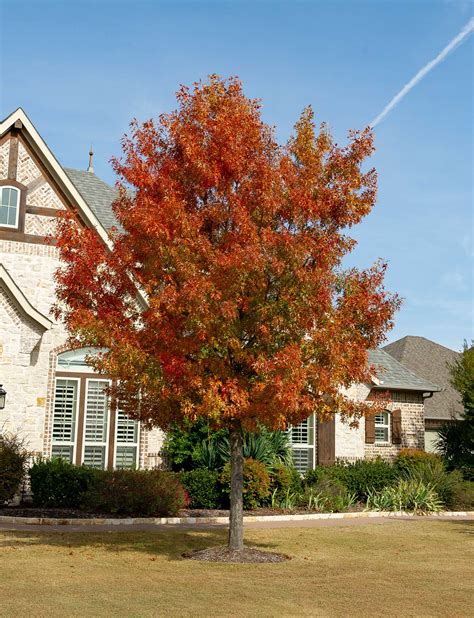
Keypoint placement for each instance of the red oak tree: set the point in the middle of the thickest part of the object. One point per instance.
(236, 243)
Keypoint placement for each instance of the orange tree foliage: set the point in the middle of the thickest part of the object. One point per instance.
(236, 242)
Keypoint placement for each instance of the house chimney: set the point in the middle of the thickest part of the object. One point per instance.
(91, 167)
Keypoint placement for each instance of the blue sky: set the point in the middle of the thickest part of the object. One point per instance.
(82, 69)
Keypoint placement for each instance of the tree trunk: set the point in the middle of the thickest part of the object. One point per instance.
(236, 520)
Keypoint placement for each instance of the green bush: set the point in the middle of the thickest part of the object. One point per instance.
(57, 483)
(358, 478)
(408, 495)
(136, 493)
(192, 446)
(433, 473)
(462, 498)
(13, 457)
(456, 444)
(413, 459)
(284, 479)
(327, 495)
(196, 445)
(203, 487)
(256, 483)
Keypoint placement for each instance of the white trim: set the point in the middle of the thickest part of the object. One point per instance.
(386, 425)
(306, 446)
(73, 443)
(21, 299)
(66, 184)
(52, 162)
(107, 429)
(17, 215)
(135, 444)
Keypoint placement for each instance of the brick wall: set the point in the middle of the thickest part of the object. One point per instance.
(413, 429)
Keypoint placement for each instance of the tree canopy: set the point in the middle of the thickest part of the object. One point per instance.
(237, 243)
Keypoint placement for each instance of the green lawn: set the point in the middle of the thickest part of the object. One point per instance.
(400, 568)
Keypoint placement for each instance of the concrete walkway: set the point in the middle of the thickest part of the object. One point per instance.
(306, 523)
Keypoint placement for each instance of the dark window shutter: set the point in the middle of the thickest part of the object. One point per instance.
(326, 452)
(396, 417)
(370, 429)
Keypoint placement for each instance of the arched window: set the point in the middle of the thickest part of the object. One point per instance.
(88, 428)
(9, 206)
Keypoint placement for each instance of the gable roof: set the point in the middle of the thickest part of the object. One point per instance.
(392, 375)
(96, 216)
(97, 193)
(21, 300)
(42, 151)
(430, 360)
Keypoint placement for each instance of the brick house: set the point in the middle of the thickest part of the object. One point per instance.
(431, 361)
(55, 401)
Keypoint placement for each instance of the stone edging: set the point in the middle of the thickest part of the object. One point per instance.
(51, 521)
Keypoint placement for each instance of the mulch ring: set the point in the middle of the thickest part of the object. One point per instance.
(223, 553)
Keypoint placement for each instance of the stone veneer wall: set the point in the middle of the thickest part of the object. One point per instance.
(28, 352)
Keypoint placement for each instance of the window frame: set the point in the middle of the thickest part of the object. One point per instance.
(84, 375)
(117, 444)
(308, 446)
(108, 424)
(384, 426)
(16, 225)
(77, 411)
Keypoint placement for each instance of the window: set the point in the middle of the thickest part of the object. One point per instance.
(382, 427)
(126, 442)
(64, 418)
(9, 209)
(87, 428)
(302, 444)
(96, 424)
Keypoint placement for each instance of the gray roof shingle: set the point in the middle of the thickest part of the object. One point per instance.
(430, 360)
(395, 376)
(97, 193)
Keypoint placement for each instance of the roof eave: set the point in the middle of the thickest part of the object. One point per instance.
(429, 388)
(22, 301)
(66, 184)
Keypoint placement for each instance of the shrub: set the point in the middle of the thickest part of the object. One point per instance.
(455, 443)
(408, 495)
(136, 493)
(462, 498)
(57, 483)
(359, 478)
(284, 479)
(434, 473)
(203, 487)
(196, 445)
(410, 459)
(13, 456)
(185, 448)
(329, 495)
(256, 483)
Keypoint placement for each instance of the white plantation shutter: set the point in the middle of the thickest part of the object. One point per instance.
(126, 441)
(64, 418)
(96, 423)
(302, 444)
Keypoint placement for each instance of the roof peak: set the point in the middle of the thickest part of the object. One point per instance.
(407, 338)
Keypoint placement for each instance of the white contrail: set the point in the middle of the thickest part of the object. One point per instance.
(465, 32)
